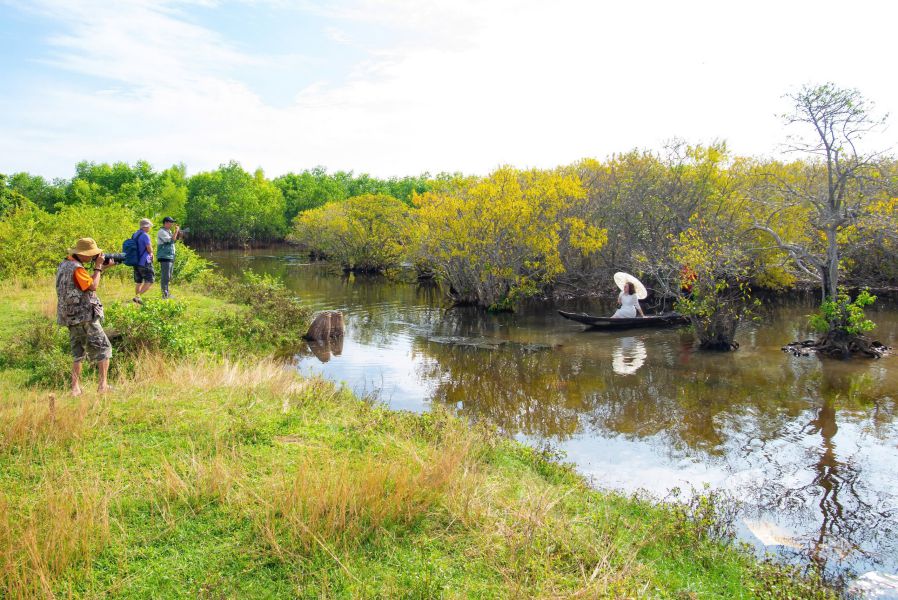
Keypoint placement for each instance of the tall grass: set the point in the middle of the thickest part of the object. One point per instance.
(37, 419)
(342, 501)
(313, 492)
(64, 527)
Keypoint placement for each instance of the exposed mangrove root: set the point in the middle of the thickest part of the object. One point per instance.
(839, 345)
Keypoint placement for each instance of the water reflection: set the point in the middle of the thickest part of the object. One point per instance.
(810, 446)
(628, 355)
(323, 350)
(843, 500)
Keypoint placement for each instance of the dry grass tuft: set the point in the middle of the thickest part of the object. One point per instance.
(338, 502)
(204, 373)
(197, 481)
(37, 419)
(529, 536)
(68, 524)
(48, 308)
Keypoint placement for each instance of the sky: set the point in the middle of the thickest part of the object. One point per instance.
(402, 87)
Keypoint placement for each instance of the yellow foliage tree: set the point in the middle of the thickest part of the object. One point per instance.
(505, 236)
(364, 233)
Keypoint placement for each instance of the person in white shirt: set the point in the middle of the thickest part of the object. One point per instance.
(629, 303)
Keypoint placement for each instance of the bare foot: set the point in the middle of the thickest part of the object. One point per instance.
(76, 391)
(104, 389)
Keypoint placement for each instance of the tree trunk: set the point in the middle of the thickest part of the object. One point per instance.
(831, 266)
(716, 333)
(327, 325)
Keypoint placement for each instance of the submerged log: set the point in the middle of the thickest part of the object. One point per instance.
(326, 325)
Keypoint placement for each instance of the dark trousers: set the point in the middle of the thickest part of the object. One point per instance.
(166, 266)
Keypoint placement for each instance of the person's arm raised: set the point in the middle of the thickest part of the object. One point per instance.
(98, 270)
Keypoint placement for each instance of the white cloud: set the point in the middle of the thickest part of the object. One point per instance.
(458, 86)
(338, 35)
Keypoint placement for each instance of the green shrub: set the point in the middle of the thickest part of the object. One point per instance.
(43, 350)
(274, 321)
(233, 206)
(843, 315)
(155, 326)
(34, 242)
(702, 514)
(189, 265)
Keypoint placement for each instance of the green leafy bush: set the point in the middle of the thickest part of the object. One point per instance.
(703, 514)
(154, 326)
(232, 206)
(844, 315)
(189, 265)
(34, 241)
(43, 350)
(275, 318)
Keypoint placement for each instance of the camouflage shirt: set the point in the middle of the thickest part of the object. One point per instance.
(74, 306)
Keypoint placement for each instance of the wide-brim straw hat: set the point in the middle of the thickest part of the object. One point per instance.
(85, 247)
(621, 279)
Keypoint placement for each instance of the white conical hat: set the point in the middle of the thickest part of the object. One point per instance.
(621, 278)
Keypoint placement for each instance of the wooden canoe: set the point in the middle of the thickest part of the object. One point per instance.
(668, 319)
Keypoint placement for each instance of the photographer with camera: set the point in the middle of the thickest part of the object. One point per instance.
(165, 251)
(79, 309)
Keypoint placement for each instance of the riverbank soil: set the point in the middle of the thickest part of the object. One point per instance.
(203, 477)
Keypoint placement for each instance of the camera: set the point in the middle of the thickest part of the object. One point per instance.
(118, 257)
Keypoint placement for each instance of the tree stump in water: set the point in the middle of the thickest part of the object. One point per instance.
(838, 344)
(327, 325)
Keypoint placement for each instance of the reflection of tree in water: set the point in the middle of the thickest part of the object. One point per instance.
(378, 310)
(711, 409)
(840, 515)
(565, 391)
(517, 389)
(694, 409)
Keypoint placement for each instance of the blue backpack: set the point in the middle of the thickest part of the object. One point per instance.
(129, 249)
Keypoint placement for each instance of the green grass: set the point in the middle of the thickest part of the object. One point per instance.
(203, 478)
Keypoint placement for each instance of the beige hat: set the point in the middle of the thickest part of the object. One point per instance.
(85, 247)
(145, 223)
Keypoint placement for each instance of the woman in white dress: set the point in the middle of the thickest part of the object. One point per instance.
(629, 303)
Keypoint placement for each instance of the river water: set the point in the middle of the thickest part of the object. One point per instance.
(808, 447)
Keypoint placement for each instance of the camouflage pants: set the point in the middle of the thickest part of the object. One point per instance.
(89, 338)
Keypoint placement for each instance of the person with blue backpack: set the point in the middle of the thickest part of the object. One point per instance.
(138, 252)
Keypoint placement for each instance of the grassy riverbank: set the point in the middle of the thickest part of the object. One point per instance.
(200, 476)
